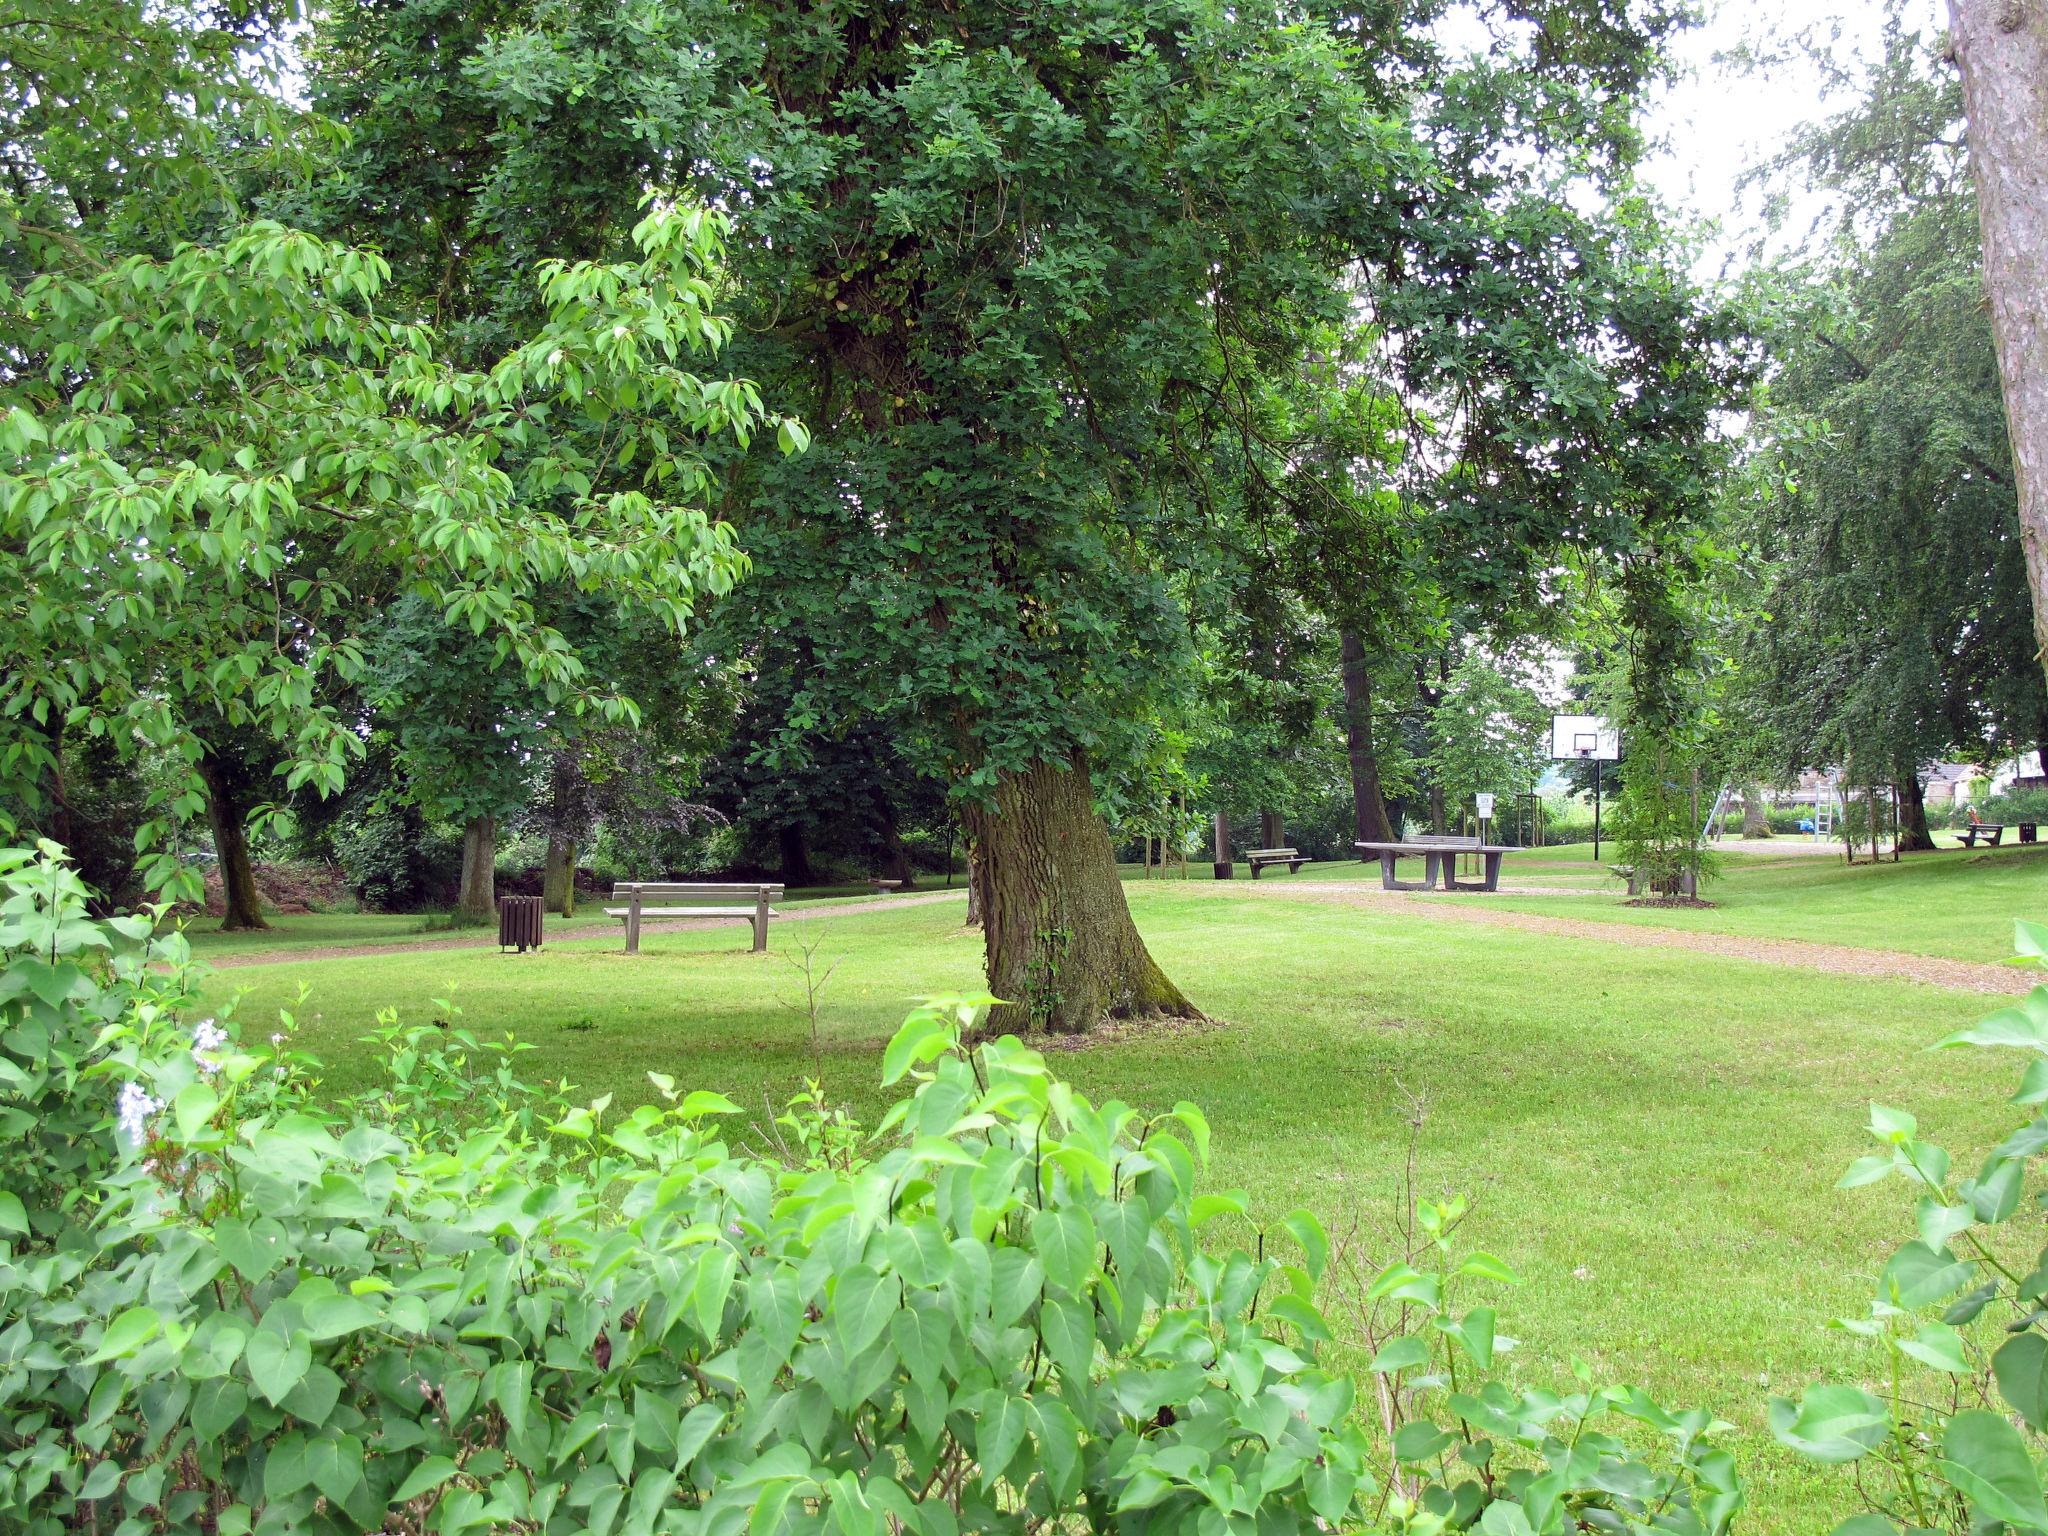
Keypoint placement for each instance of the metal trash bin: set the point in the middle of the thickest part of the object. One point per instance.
(2029, 831)
(519, 923)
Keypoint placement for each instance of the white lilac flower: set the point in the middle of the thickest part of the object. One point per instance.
(555, 358)
(619, 331)
(278, 1038)
(133, 1111)
(207, 1037)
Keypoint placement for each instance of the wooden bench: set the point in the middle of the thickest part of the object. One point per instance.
(1259, 858)
(1989, 833)
(646, 898)
(884, 887)
(1440, 857)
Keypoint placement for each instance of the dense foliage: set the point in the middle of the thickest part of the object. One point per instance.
(458, 1302)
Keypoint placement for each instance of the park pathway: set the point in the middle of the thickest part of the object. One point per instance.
(1802, 954)
(574, 928)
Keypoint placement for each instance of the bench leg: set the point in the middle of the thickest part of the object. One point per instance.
(1256, 867)
(1998, 837)
(1387, 880)
(633, 927)
(760, 924)
(1493, 871)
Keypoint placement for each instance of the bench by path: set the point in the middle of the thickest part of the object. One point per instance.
(565, 932)
(1800, 954)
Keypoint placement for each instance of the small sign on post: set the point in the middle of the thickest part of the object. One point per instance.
(1485, 805)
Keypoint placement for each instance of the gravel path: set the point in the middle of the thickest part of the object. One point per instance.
(575, 928)
(1803, 954)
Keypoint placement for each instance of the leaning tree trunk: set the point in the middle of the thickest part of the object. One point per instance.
(477, 901)
(2002, 49)
(1914, 837)
(558, 875)
(229, 820)
(1756, 821)
(1369, 822)
(1063, 952)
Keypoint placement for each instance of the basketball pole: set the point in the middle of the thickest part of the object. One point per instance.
(1596, 808)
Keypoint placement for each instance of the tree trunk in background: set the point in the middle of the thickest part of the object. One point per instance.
(796, 858)
(1272, 830)
(1223, 865)
(476, 902)
(1756, 821)
(1913, 834)
(1437, 823)
(2002, 49)
(1063, 952)
(228, 818)
(896, 858)
(558, 875)
(1369, 823)
(973, 890)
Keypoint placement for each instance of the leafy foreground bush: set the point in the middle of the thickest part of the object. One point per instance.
(1952, 1442)
(461, 1304)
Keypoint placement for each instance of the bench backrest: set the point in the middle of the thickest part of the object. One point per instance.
(1445, 840)
(649, 890)
(1272, 853)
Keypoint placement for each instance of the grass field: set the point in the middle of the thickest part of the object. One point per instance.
(1651, 1136)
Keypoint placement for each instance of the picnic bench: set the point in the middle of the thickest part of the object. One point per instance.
(1439, 853)
(647, 898)
(1989, 833)
(1259, 858)
(884, 887)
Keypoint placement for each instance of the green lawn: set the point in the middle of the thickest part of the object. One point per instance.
(322, 930)
(1650, 1135)
(1955, 903)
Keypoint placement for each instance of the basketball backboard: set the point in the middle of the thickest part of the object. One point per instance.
(1588, 738)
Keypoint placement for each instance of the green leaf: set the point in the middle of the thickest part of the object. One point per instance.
(13, 1214)
(1401, 1354)
(276, 1363)
(1303, 1227)
(703, 1102)
(1940, 1346)
(1831, 1423)
(1986, 1461)
(1064, 1238)
(1420, 1440)
(922, 1036)
(2021, 1369)
(126, 1334)
(429, 1474)
(1487, 1267)
(998, 1432)
(862, 1304)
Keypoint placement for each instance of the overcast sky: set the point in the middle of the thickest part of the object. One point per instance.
(1722, 119)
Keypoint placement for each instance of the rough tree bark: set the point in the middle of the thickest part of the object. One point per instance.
(477, 901)
(1063, 953)
(1914, 836)
(1272, 829)
(558, 875)
(2001, 47)
(1756, 821)
(228, 818)
(1369, 823)
(1223, 864)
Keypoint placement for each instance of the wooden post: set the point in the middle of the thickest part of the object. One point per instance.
(760, 920)
(633, 922)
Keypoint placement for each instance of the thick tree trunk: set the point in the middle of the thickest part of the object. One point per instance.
(477, 901)
(1438, 822)
(796, 858)
(558, 875)
(1914, 837)
(228, 819)
(1369, 823)
(1756, 821)
(1272, 829)
(1063, 952)
(1223, 866)
(2002, 49)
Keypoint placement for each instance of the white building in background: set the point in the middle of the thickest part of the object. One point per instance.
(2023, 772)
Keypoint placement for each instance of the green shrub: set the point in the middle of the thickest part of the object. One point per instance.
(1952, 1441)
(460, 1303)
